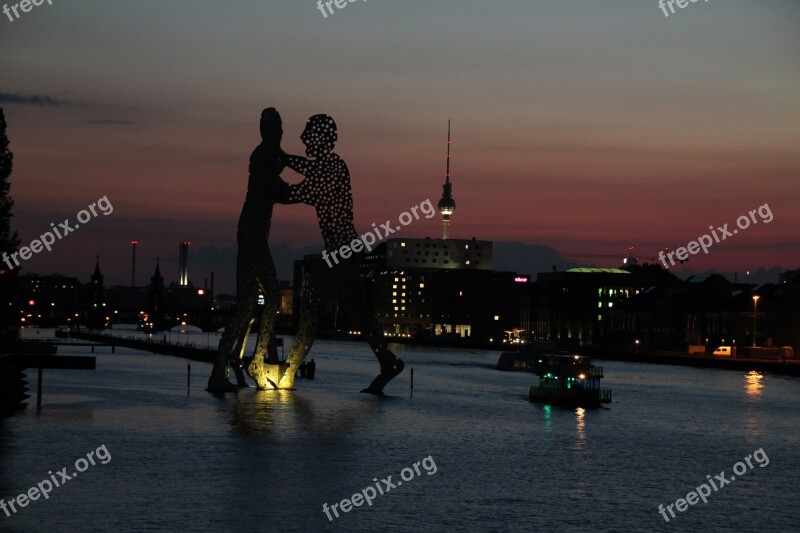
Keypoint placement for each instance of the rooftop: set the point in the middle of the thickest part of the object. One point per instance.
(599, 270)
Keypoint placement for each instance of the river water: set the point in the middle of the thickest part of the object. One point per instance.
(268, 461)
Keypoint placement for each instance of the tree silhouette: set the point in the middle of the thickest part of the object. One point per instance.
(9, 243)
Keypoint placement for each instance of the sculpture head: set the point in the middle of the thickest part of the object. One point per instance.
(271, 126)
(319, 136)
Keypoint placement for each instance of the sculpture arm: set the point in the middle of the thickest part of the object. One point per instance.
(282, 192)
(299, 164)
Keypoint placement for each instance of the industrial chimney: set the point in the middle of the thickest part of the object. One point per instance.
(183, 266)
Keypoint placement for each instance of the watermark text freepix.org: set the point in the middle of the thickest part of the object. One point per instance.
(681, 4)
(340, 4)
(44, 487)
(25, 6)
(381, 487)
(703, 491)
(371, 237)
(48, 238)
(721, 233)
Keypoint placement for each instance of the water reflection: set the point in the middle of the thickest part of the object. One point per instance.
(580, 412)
(262, 411)
(285, 412)
(547, 418)
(754, 384)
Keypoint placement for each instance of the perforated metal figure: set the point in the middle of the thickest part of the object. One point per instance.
(326, 187)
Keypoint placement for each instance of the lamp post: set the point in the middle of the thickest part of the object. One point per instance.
(755, 311)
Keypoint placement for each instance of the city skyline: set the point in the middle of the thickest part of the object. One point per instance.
(564, 135)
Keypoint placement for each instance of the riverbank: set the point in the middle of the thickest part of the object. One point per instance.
(789, 367)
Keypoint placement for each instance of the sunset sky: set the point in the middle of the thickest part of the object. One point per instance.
(584, 126)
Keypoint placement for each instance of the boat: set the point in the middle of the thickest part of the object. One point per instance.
(569, 380)
(525, 358)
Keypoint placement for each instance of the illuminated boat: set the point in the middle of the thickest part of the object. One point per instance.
(569, 380)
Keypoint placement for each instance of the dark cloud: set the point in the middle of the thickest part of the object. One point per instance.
(528, 258)
(31, 99)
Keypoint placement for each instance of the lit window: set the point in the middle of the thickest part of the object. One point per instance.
(402, 245)
(421, 285)
(611, 304)
(497, 317)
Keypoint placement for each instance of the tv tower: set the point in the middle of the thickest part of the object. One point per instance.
(447, 205)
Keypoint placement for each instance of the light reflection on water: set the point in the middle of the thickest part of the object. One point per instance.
(754, 383)
(268, 460)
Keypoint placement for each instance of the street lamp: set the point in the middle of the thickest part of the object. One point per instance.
(755, 310)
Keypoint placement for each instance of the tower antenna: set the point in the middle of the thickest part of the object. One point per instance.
(447, 205)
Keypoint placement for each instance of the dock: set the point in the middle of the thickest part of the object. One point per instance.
(12, 377)
(186, 351)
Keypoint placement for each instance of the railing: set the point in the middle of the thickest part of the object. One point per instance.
(605, 395)
(57, 340)
(596, 372)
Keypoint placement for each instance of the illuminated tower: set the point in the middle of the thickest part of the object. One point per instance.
(183, 266)
(447, 205)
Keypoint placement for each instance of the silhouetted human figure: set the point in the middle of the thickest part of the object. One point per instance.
(326, 187)
(312, 368)
(303, 369)
(255, 269)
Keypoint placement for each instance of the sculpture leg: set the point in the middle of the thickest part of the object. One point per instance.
(390, 365)
(306, 328)
(237, 356)
(267, 374)
(233, 341)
